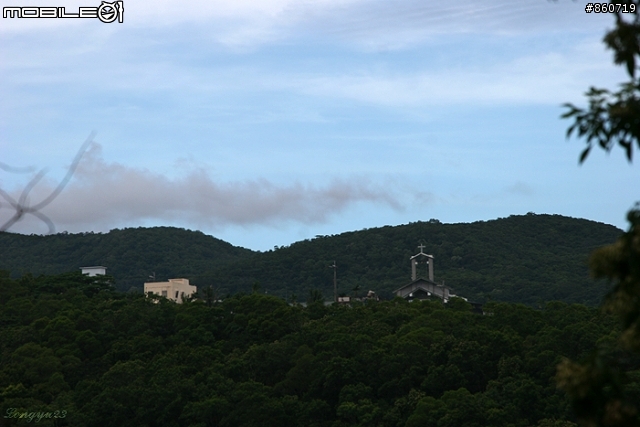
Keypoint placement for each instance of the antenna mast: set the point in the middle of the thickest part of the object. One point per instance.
(335, 281)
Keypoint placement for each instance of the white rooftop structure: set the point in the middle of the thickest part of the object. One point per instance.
(94, 271)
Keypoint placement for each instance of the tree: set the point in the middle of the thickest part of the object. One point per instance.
(601, 389)
(315, 295)
(613, 118)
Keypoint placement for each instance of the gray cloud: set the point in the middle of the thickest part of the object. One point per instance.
(104, 195)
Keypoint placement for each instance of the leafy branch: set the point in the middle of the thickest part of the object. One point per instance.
(613, 118)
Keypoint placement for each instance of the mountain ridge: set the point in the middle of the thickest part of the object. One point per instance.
(529, 258)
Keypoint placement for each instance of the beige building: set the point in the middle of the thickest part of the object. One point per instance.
(174, 289)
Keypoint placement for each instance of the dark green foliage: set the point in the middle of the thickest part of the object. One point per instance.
(109, 358)
(528, 259)
(604, 389)
(131, 255)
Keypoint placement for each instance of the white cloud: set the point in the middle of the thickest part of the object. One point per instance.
(547, 78)
(125, 57)
(520, 78)
(368, 23)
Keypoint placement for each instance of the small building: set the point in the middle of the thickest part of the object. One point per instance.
(371, 296)
(94, 271)
(175, 289)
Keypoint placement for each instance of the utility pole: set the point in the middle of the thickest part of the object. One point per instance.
(335, 281)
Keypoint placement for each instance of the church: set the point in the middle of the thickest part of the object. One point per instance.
(420, 287)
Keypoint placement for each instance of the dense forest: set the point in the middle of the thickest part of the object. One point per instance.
(76, 352)
(526, 259)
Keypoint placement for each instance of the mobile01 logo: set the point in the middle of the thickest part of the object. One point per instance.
(106, 12)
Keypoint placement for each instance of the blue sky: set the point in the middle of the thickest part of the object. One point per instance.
(264, 123)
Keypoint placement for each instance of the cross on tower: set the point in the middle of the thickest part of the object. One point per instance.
(420, 257)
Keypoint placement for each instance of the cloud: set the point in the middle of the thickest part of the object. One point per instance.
(519, 77)
(367, 23)
(231, 23)
(382, 25)
(104, 195)
(520, 189)
(533, 78)
(450, 63)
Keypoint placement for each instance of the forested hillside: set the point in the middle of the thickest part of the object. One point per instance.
(74, 348)
(529, 259)
(131, 255)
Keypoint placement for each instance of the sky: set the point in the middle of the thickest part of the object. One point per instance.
(267, 122)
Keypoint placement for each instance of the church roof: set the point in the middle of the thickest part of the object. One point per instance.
(419, 281)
